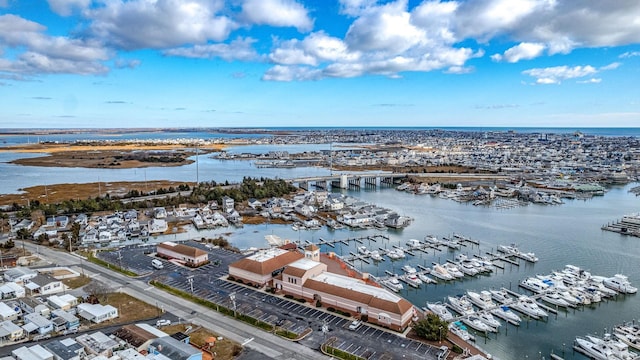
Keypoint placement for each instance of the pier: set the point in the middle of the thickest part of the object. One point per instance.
(628, 225)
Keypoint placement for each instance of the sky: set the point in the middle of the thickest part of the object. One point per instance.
(279, 63)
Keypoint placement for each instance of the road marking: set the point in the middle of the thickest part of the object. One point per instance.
(247, 341)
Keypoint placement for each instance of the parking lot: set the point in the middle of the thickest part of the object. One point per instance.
(366, 341)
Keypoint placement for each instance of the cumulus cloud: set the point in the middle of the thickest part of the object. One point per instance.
(127, 64)
(282, 13)
(522, 51)
(355, 7)
(161, 24)
(239, 49)
(291, 73)
(555, 75)
(66, 7)
(629, 54)
(48, 54)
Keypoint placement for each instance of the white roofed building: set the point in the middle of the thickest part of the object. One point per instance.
(97, 313)
(260, 268)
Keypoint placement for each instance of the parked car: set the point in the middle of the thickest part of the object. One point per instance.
(355, 324)
(163, 322)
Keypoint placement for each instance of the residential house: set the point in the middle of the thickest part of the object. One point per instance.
(64, 320)
(255, 204)
(139, 336)
(35, 352)
(8, 313)
(23, 224)
(43, 284)
(30, 305)
(159, 213)
(37, 323)
(174, 349)
(98, 344)
(19, 274)
(66, 349)
(11, 290)
(10, 331)
(228, 204)
(64, 302)
(97, 313)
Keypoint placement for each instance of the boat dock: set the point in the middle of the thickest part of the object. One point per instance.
(346, 241)
(628, 225)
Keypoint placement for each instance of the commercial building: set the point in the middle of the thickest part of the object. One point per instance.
(260, 268)
(183, 254)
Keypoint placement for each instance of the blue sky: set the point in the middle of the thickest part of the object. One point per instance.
(258, 63)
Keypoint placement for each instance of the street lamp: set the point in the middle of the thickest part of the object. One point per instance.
(190, 281)
(232, 297)
(440, 337)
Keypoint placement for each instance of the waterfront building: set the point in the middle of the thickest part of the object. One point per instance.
(186, 255)
(260, 268)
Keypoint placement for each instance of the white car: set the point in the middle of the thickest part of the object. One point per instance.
(163, 322)
(355, 324)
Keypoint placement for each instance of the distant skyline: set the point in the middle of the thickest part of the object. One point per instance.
(282, 63)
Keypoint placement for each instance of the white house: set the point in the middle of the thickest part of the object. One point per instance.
(97, 313)
(44, 285)
(8, 313)
(11, 290)
(19, 274)
(64, 302)
(36, 322)
(35, 352)
(10, 331)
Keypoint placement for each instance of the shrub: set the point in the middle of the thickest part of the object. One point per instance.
(456, 349)
(302, 300)
(288, 296)
(330, 309)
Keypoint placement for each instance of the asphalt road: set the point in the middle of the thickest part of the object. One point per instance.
(267, 344)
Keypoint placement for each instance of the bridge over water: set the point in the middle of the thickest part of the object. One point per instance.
(349, 181)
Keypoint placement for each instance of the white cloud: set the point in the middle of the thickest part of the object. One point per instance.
(239, 49)
(49, 54)
(629, 54)
(291, 73)
(66, 7)
(281, 13)
(555, 75)
(159, 24)
(522, 51)
(355, 7)
(611, 66)
(590, 81)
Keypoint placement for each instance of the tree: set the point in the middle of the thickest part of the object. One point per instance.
(431, 328)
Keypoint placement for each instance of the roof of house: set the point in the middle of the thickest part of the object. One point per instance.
(357, 290)
(311, 247)
(64, 349)
(299, 267)
(174, 349)
(266, 262)
(135, 334)
(43, 279)
(182, 249)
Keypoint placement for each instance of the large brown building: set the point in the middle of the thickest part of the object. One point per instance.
(260, 268)
(183, 254)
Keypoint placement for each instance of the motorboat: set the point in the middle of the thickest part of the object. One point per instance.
(619, 349)
(440, 310)
(396, 254)
(452, 244)
(363, 250)
(628, 336)
(594, 351)
(534, 284)
(393, 283)
(414, 244)
(528, 306)
(458, 329)
(528, 256)
(488, 319)
(375, 255)
(413, 280)
(409, 269)
(505, 313)
(552, 297)
(453, 270)
(441, 273)
(426, 279)
(461, 305)
(501, 296)
(432, 240)
(467, 268)
(475, 323)
(576, 272)
(598, 283)
(508, 249)
(620, 283)
(481, 299)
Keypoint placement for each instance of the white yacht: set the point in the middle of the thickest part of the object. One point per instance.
(481, 299)
(441, 273)
(440, 310)
(534, 284)
(620, 283)
(508, 249)
(363, 250)
(475, 323)
(552, 297)
(488, 319)
(395, 254)
(468, 268)
(375, 255)
(414, 244)
(501, 296)
(413, 280)
(453, 270)
(432, 240)
(505, 313)
(619, 349)
(461, 305)
(452, 244)
(628, 336)
(426, 279)
(528, 306)
(460, 330)
(594, 351)
(529, 256)
(409, 269)
(393, 283)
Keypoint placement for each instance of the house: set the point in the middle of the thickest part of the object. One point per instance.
(97, 313)
(64, 302)
(35, 352)
(98, 344)
(8, 313)
(139, 335)
(187, 255)
(11, 290)
(35, 322)
(64, 320)
(228, 204)
(260, 268)
(43, 284)
(174, 349)
(81, 219)
(66, 349)
(58, 221)
(19, 274)
(10, 331)
(159, 213)
(23, 224)
(30, 305)
(255, 204)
